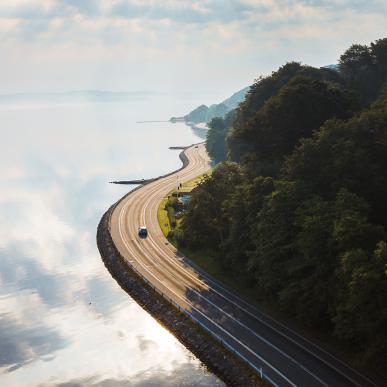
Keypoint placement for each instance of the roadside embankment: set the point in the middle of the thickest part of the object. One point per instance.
(184, 189)
(218, 359)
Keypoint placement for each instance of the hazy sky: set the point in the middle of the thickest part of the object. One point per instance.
(208, 47)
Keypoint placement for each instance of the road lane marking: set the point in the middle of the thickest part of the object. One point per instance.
(329, 364)
(208, 318)
(182, 269)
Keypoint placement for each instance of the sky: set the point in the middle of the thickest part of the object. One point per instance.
(208, 47)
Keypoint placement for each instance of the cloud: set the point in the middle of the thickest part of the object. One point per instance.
(367, 5)
(149, 22)
(146, 345)
(21, 344)
(185, 11)
(153, 377)
(204, 43)
(20, 273)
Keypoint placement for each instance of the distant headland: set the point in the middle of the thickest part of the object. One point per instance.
(203, 114)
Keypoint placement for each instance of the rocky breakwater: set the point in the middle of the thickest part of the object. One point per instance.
(218, 359)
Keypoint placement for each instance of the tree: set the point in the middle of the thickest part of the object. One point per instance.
(205, 223)
(364, 69)
(303, 216)
(216, 136)
(300, 108)
(273, 236)
(309, 289)
(379, 52)
(263, 89)
(351, 155)
(361, 315)
(242, 209)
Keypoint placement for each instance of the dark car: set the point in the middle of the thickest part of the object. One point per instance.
(142, 232)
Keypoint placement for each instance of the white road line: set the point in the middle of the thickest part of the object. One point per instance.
(187, 285)
(206, 317)
(170, 180)
(271, 327)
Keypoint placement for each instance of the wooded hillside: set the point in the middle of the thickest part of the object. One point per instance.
(298, 206)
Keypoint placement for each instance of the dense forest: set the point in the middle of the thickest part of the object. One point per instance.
(297, 204)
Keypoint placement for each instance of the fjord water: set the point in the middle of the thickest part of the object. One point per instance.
(63, 319)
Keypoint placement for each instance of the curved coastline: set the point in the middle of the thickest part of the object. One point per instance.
(218, 360)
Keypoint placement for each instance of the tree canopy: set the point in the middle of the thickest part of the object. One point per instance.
(299, 211)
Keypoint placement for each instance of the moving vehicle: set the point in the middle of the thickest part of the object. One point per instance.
(142, 232)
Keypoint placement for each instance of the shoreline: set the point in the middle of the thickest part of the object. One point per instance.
(218, 360)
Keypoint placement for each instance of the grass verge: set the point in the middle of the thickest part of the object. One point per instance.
(162, 213)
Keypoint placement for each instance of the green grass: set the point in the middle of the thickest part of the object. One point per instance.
(162, 213)
(162, 217)
(191, 184)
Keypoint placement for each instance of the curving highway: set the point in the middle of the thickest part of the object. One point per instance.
(285, 357)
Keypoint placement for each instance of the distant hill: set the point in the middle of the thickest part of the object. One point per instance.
(233, 101)
(203, 113)
(77, 95)
(332, 67)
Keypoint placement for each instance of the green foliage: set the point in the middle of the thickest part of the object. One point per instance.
(205, 223)
(303, 216)
(309, 286)
(173, 205)
(361, 313)
(171, 216)
(350, 154)
(364, 69)
(216, 137)
(262, 90)
(173, 202)
(243, 206)
(298, 109)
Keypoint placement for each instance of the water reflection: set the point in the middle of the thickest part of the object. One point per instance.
(21, 344)
(63, 320)
(182, 375)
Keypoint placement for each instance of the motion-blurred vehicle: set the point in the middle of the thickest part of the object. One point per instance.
(142, 232)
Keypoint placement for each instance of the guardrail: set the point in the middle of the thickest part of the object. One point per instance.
(221, 341)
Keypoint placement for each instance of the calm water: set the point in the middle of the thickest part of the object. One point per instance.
(63, 319)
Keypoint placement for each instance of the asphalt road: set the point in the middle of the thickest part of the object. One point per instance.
(286, 357)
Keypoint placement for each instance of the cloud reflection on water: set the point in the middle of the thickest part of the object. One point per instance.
(152, 377)
(63, 319)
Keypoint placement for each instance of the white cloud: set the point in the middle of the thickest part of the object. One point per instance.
(87, 44)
